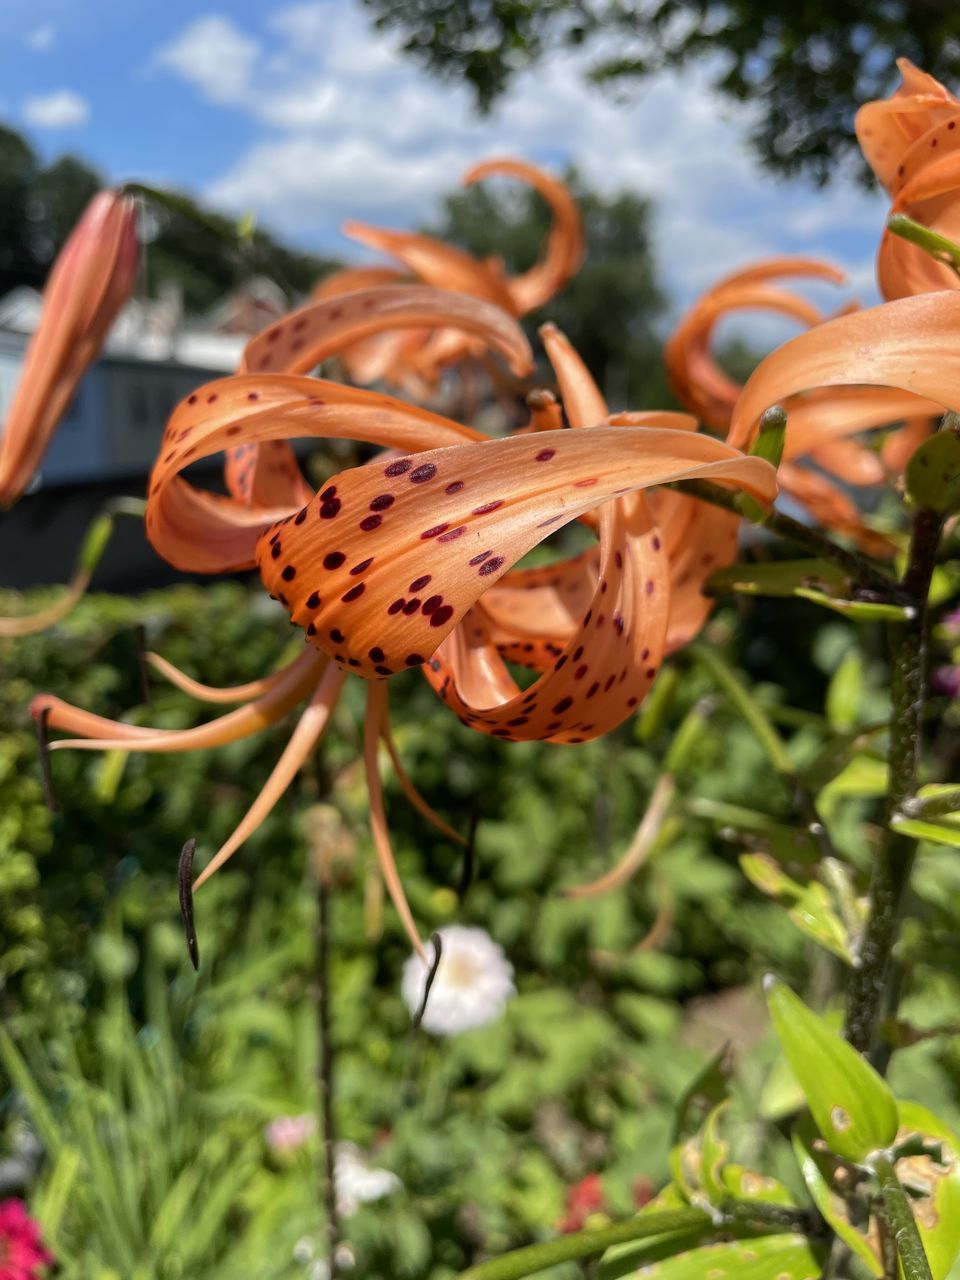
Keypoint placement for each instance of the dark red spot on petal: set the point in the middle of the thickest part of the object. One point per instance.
(369, 523)
(433, 603)
(354, 593)
(454, 487)
(333, 560)
(337, 636)
(313, 600)
(377, 654)
(546, 454)
(382, 502)
(563, 705)
(398, 468)
(396, 606)
(491, 566)
(289, 573)
(433, 532)
(488, 507)
(419, 583)
(441, 616)
(414, 659)
(411, 607)
(361, 567)
(421, 474)
(480, 558)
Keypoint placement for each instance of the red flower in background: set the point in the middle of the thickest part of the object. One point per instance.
(21, 1250)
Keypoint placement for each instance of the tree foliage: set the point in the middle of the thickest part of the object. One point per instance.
(805, 66)
(199, 250)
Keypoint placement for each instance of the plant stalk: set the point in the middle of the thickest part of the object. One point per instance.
(858, 567)
(901, 1222)
(325, 1075)
(895, 856)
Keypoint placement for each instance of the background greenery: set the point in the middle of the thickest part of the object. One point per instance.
(149, 1086)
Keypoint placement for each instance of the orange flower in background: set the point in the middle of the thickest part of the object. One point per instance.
(911, 140)
(820, 424)
(89, 283)
(413, 361)
(406, 561)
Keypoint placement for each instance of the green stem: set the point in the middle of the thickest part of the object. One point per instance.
(325, 1076)
(900, 1220)
(856, 566)
(895, 856)
(584, 1244)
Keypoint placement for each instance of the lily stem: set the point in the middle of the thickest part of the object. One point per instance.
(325, 1075)
(863, 571)
(902, 1223)
(895, 856)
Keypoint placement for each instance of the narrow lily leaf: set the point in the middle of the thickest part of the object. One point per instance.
(785, 1257)
(768, 876)
(861, 610)
(747, 705)
(814, 914)
(781, 578)
(816, 1169)
(945, 831)
(933, 473)
(852, 1106)
(584, 1244)
(937, 1210)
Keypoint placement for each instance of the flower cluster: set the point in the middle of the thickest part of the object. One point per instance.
(411, 560)
(22, 1255)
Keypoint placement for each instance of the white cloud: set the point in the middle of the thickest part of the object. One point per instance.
(348, 127)
(61, 110)
(215, 56)
(41, 38)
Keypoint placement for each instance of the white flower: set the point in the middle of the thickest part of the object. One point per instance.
(473, 984)
(357, 1183)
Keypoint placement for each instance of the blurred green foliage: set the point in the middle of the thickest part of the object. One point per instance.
(149, 1086)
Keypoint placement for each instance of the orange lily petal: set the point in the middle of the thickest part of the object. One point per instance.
(454, 520)
(101, 734)
(350, 279)
(90, 281)
(434, 262)
(565, 246)
(310, 729)
(694, 376)
(909, 344)
(887, 128)
(900, 445)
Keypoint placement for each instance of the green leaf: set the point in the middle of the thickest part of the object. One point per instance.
(864, 776)
(933, 473)
(937, 1210)
(780, 1257)
(845, 692)
(777, 578)
(817, 1173)
(862, 610)
(584, 1244)
(946, 831)
(851, 1105)
(813, 913)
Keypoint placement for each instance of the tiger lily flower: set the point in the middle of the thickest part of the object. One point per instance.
(407, 561)
(90, 281)
(820, 424)
(413, 361)
(911, 140)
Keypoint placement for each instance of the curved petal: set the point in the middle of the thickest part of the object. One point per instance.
(887, 128)
(91, 279)
(453, 521)
(565, 246)
(909, 344)
(210, 693)
(414, 797)
(310, 729)
(693, 374)
(900, 445)
(101, 734)
(931, 196)
(434, 262)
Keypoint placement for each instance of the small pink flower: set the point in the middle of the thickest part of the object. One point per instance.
(21, 1250)
(287, 1133)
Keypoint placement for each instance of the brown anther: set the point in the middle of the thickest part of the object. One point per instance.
(185, 880)
(431, 978)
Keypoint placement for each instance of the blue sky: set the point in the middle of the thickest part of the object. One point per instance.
(302, 114)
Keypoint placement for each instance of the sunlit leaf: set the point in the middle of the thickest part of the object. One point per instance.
(937, 1210)
(783, 1257)
(816, 1169)
(945, 830)
(845, 692)
(851, 1105)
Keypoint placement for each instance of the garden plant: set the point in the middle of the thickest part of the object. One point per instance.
(673, 894)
